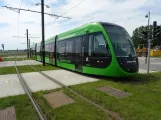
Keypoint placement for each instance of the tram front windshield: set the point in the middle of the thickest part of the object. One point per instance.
(121, 41)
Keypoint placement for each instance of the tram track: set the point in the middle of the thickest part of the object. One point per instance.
(89, 101)
(108, 112)
(84, 98)
(29, 94)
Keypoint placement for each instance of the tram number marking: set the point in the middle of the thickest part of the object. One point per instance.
(131, 61)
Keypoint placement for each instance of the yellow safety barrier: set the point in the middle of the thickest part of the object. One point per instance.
(138, 51)
(155, 53)
(144, 51)
(141, 52)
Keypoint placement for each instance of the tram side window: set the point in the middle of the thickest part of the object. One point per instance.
(46, 49)
(33, 51)
(98, 46)
(78, 45)
(53, 48)
(61, 49)
(69, 49)
(38, 50)
(50, 49)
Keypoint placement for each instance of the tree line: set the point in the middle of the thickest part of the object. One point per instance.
(139, 38)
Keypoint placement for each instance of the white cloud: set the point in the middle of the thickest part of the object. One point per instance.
(127, 13)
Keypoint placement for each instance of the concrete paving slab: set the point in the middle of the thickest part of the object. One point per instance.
(114, 92)
(69, 78)
(8, 114)
(38, 82)
(6, 63)
(19, 63)
(16, 57)
(145, 71)
(58, 99)
(10, 85)
(155, 64)
(32, 62)
(151, 58)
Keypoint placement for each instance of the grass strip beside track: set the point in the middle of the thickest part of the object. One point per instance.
(23, 107)
(26, 68)
(156, 74)
(80, 110)
(143, 104)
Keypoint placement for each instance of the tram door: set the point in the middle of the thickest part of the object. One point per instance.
(78, 53)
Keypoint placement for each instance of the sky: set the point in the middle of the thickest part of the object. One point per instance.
(127, 13)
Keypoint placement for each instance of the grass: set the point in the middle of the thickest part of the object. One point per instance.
(24, 69)
(17, 59)
(79, 110)
(151, 75)
(156, 74)
(143, 104)
(23, 107)
(47, 67)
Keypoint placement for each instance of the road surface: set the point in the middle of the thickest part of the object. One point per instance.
(155, 64)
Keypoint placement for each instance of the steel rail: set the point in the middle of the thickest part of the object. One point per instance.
(77, 94)
(29, 93)
(84, 98)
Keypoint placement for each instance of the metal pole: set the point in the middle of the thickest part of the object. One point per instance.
(27, 43)
(43, 32)
(149, 44)
(29, 49)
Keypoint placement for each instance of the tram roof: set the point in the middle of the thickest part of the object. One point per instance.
(52, 39)
(108, 23)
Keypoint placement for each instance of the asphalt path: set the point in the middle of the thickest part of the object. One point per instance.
(155, 64)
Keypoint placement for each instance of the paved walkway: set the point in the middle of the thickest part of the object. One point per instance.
(16, 56)
(10, 85)
(19, 63)
(155, 64)
(145, 71)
